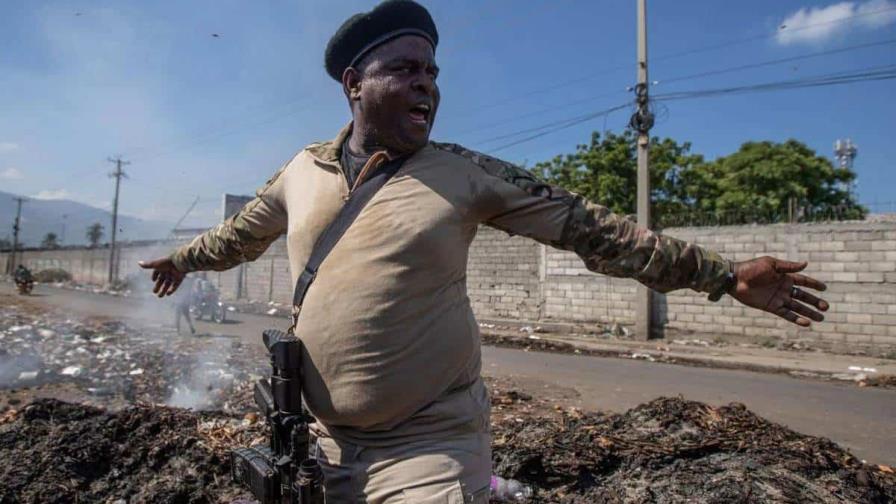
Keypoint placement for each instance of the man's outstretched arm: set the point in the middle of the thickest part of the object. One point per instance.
(610, 244)
(241, 238)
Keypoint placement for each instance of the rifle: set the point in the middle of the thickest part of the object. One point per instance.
(282, 472)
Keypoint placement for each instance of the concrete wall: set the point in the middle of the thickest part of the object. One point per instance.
(518, 279)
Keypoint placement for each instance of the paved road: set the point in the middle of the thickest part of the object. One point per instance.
(861, 419)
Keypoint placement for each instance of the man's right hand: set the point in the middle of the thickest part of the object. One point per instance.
(166, 276)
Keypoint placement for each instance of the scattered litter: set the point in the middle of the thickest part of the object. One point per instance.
(644, 356)
(532, 336)
(856, 377)
(863, 369)
(272, 311)
(72, 371)
(692, 342)
(527, 329)
(28, 375)
(108, 359)
(618, 330)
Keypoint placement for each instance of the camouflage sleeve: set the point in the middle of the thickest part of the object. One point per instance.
(518, 203)
(242, 237)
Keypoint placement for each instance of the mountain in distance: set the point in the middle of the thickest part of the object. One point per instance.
(40, 216)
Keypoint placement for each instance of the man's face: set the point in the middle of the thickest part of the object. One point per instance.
(395, 93)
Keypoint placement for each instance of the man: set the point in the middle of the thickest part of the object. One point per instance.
(393, 357)
(182, 302)
(23, 274)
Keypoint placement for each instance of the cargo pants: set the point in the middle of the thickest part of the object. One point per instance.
(450, 470)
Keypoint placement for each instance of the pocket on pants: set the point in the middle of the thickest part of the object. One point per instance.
(451, 493)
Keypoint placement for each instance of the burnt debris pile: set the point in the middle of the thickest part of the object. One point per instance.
(61, 452)
(673, 450)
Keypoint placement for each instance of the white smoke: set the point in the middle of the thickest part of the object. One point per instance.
(208, 380)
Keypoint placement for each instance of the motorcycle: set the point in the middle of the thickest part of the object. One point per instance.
(24, 286)
(209, 306)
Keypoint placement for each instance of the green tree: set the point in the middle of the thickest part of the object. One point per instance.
(95, 234)
(766, 176)
(761, 181)
(50, 241)
(605, 171)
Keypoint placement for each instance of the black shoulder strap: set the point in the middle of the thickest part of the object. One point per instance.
(334, 231)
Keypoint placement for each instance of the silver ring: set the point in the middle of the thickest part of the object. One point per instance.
(794, 292)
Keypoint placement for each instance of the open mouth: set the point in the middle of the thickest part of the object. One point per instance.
(420, 113)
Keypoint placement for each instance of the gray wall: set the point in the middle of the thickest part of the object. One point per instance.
(513, 278)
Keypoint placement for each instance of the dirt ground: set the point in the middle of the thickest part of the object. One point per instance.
(117, 437)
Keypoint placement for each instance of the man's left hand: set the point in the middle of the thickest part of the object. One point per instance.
(777, 287)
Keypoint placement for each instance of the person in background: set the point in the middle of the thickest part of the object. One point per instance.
(23, 274)
(182, 302)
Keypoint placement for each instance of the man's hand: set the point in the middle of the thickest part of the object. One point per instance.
(773, 285)
(166, 276)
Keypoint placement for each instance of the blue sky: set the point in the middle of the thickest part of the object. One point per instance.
(200, 115)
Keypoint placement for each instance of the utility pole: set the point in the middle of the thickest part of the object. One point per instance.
(642, 121)
(15, 235)
(117, 174)
(62, 237)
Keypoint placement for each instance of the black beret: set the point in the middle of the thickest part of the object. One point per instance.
(362, 32)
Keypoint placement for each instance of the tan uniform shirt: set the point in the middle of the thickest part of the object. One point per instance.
(392, 344)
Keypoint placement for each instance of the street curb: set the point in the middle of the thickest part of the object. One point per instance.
(552, 344)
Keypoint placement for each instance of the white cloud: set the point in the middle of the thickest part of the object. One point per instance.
(11, 174)
(8, 146)
(52, 194)
(817, 24)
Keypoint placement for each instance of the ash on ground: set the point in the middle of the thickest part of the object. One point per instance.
(58, 452)
(673, 450)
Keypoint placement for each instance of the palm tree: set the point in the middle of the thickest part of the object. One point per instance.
(51, 241)
(95, 234)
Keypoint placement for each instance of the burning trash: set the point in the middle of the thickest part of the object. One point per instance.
(109, 361)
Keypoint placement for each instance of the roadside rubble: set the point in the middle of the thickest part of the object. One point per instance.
(110, 362)
(668, 450)
(673, 450)
(57, 452)
(136, 449)
(659, 353)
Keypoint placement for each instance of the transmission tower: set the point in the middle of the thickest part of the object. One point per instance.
(845, 151)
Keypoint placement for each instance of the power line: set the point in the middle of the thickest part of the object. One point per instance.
(875, 73)
(215, 135)
(772, 35)
(562, 126)
(677, 79)
(883, 72)
(540, 111)
(776, 61)
(681, 54)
